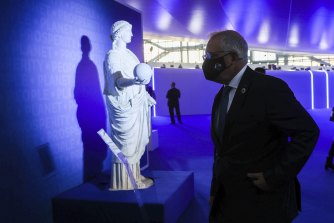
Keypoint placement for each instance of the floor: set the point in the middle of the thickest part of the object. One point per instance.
(188, 147)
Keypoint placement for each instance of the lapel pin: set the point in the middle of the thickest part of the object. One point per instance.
(243, 90)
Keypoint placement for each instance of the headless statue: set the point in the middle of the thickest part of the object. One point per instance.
(128, 105)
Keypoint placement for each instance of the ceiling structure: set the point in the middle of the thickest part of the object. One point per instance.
(285, 25)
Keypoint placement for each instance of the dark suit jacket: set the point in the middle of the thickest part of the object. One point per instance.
(173, 96)
(267, 130)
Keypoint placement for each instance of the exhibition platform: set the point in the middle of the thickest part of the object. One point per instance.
(92, 202)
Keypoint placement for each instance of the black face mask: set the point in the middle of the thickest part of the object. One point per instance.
(213, 67)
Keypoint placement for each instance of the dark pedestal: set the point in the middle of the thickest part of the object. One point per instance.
(92, 202)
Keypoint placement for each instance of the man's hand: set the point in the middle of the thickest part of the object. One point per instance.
(259, 181)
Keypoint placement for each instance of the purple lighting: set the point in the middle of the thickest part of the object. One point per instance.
(296, 25)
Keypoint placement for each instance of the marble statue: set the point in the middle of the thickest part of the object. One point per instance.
(128, 105)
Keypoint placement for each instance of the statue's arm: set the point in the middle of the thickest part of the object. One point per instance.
(114, 66)
(122, 82)
(151, 101)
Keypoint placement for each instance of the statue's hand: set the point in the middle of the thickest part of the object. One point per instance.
(151, 101)
(137, 81)
(125, 82)
(146, 81)
(141, 82)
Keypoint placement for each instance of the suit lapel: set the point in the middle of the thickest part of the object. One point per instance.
(239, 97)
(214, 113)
(238, 100)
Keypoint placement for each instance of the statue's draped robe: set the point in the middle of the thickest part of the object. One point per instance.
(129, 116)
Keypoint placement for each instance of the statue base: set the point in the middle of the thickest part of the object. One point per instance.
(165, 201)
(120, 179)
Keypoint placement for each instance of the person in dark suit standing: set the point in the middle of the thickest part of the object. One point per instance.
(173, 96)
(266, 138)
(260, 70)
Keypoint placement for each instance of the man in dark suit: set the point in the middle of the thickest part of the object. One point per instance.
(266, 138)
(173, 95)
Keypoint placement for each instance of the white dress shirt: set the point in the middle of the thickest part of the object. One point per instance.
(234, 83)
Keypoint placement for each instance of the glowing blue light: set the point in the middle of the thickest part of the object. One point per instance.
(153, 87)
(327, 89)
(196, 22)
(234, 17)
(294, 36)
(229, 26)
(164, 20)
(170, 4)
(263, 36)
(312, 90)
(330, 30)
(318, 23)
(252, 21)
(323, 42)
(134, 4)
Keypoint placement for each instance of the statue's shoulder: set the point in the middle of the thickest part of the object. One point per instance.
(113, 56)
(130, 53)
(121, 56)
(113, 52)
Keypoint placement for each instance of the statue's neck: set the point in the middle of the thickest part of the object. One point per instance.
(119, 45)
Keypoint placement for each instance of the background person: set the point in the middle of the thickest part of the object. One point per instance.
(173, 96)
(260, 70)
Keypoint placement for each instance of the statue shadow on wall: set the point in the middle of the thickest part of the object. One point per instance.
(91, 114)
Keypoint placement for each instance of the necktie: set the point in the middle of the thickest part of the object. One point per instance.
(222, 110)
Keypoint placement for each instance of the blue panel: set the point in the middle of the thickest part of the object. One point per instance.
(319, 83)
(197, 94)
(331, 88)
(300, 84)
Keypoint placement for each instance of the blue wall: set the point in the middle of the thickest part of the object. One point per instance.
(331, 89)
(197, 94)
(50, 86)
(319, 80)
(300, 83)
(321, 96)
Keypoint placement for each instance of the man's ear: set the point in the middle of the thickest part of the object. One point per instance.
(235, 56)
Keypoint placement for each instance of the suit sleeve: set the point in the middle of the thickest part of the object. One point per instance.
(289, 118)
(213, 188)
